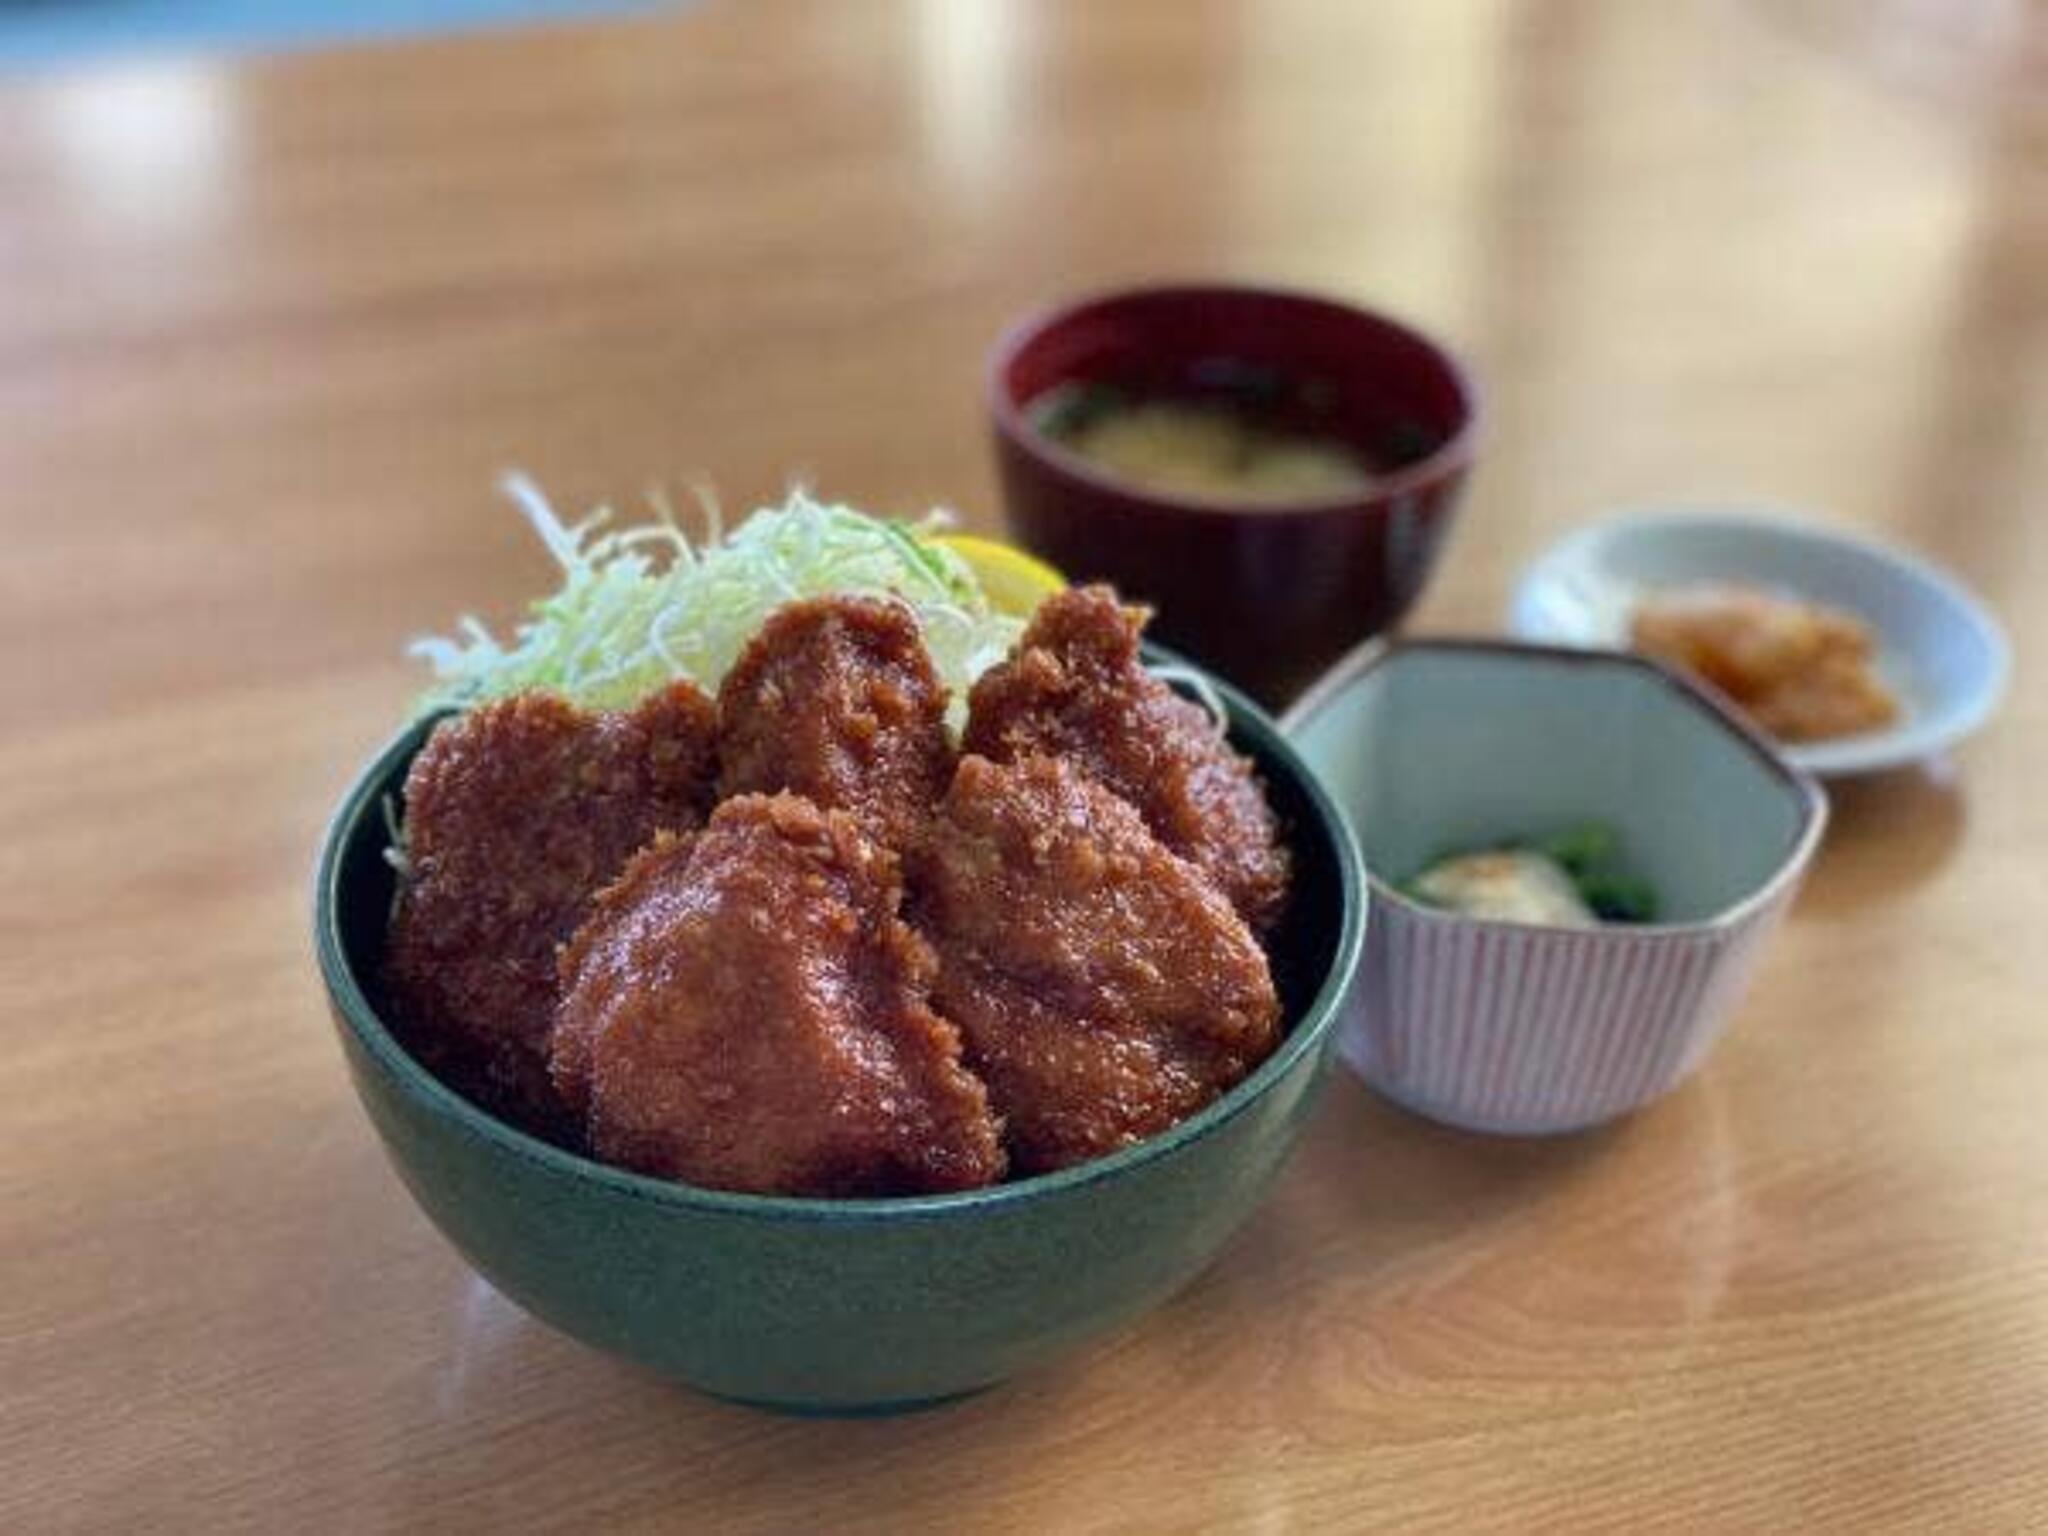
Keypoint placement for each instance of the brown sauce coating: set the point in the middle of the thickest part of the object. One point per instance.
(516, 813)
(1074, 688)
(836, 700)
(745, 1010)
(1105, 989)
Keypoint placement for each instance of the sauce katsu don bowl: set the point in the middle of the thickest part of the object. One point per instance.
(844, 1305)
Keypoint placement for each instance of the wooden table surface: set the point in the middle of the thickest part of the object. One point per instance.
(270, 328)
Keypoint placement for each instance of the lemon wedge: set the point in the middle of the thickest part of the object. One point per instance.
(1016, 583)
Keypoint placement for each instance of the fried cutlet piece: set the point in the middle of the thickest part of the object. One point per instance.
(746, 1010)
(1803, 671)
(1105, 989)
(836, 700)
(516, 813)
(1074, 688)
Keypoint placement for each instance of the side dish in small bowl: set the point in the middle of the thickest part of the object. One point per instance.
(1852, 656)
(1575, 859)
(785, 968)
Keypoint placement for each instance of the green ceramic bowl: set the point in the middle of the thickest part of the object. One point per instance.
(843, 1305)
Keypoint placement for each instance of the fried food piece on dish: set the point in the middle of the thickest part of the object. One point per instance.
(746, 1010)
(1074, 688)
(836, 700)
(516, 813)
(1803, 671)
(1105, 989)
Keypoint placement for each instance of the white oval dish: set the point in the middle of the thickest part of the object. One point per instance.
(1938, 647)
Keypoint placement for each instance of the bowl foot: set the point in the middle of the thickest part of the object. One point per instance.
(889, 1408)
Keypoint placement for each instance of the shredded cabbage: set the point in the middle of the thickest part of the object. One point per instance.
(641, 606)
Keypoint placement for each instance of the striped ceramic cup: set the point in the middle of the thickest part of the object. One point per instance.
(1439, 746)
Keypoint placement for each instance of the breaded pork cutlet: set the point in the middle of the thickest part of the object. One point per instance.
(1104, 988)
(746, 1010)
(1074, 688)
(516, 813)
(836, 700)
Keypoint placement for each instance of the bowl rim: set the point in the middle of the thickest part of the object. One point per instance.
(1314, 1024)
(1951, 721)
(1452, 456)
(1805, 790)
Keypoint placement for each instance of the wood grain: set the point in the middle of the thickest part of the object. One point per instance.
(268, 330)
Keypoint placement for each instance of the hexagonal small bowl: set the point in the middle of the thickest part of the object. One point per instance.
(1438, 746)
